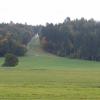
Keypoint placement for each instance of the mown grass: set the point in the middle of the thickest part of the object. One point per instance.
(50, 78)
(41, 76)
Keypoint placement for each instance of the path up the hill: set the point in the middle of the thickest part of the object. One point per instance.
(34, 48)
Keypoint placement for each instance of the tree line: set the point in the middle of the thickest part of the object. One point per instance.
(14, 38)
(79, 38)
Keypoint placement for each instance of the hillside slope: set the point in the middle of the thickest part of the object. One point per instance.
(37, 58)
(35, 49)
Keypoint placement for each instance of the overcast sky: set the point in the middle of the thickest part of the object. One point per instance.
(41, 11)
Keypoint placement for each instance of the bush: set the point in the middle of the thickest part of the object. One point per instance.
(20, 50)
(11, 60)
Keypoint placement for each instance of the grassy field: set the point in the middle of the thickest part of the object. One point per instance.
(41, 76)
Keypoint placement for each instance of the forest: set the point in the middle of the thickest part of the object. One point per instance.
(14, 38)
(78, 38)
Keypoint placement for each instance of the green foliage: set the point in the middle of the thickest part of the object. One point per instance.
(73, 38)
(10, 60)
(14, 38)
(20, 50)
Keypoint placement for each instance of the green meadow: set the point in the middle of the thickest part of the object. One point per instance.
(42, 76)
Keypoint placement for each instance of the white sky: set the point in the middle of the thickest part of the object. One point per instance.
(41, 11)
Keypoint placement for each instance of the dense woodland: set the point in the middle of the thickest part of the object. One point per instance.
(14, 38)
(79, 38)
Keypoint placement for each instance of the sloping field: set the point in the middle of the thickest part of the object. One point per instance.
(42, 76)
